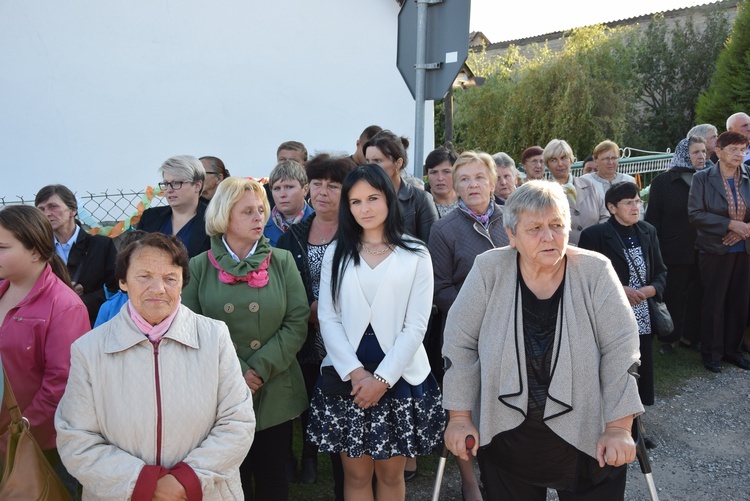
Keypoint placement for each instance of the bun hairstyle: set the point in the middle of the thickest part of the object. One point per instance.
(31, 227)
(391, 145)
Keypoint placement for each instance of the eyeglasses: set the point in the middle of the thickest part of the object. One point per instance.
(631, 203)
(735, 151)
(609, 160)
(173, 185)
(211, 172)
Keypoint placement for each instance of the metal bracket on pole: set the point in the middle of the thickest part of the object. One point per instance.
(428, 66)
(429, 1)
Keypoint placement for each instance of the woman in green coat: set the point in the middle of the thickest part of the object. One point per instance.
(257, 291)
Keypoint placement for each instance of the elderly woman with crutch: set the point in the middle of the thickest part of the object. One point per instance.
(546, 386)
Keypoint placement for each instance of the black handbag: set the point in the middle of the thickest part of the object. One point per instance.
(661, 321)
(331, 384)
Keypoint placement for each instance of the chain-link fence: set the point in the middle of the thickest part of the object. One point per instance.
(103, 210)
(99, 210)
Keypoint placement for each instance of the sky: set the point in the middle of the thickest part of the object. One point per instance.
(502, 20)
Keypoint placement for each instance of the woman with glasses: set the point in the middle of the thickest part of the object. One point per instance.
(633, 248)
(717, 207)
(586, 205)
(533, 163)
(607, 158)
(183, 177)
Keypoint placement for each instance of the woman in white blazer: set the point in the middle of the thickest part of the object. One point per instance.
(376, 402)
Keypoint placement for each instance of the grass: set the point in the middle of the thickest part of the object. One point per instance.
(670, 373)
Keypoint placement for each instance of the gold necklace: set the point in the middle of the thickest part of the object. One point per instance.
(388, 247)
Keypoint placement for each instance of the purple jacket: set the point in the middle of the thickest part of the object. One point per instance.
(35, 339)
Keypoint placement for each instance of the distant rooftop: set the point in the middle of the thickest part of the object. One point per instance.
(476, 36)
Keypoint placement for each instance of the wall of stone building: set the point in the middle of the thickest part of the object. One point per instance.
(555, 41)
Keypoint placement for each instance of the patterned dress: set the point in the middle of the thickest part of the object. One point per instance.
(637, 267)
(409, 420)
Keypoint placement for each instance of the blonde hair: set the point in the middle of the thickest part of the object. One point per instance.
(475, 156)
(556, 147)
(605, 146)
(227, 195)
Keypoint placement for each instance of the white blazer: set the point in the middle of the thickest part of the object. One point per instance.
(399, 316)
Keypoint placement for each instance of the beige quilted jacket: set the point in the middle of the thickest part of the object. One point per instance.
(107, 420)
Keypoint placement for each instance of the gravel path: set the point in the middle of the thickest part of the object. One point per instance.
(703, 445)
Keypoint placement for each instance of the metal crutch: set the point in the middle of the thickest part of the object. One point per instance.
(642, 454)
(470, 442)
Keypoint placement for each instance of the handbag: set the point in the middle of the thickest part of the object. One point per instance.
(331, 384)
(661, 321)
(27, 473)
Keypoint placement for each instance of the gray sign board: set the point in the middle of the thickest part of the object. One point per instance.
(447, 44)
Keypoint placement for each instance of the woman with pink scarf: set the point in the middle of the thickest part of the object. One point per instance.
(156, 406)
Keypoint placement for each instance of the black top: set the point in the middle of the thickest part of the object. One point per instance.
(667, 211)
(539, 323)
(152, 220)
(295, 241)
(91, 263)
(604, 238)
(417, 210)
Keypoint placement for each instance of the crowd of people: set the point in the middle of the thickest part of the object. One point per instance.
(514, 306)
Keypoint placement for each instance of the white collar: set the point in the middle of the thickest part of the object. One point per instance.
(235, 256)
(72, 239)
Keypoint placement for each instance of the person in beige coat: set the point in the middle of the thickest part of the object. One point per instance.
(586, 203)
(156, 406)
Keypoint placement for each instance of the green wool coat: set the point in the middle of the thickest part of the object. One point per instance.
(268, 325)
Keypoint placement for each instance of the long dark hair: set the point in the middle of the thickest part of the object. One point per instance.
(349, 233)
(32, 228)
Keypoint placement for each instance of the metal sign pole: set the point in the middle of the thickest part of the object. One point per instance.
(419, 90)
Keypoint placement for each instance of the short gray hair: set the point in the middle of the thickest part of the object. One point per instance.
(502, 159)
(536, 197)
(184, 167)
(702, 130)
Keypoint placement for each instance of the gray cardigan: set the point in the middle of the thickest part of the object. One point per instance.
(593, 353)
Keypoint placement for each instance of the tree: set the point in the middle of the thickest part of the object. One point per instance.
(638, 88)
(583, 95)
(729, 90)
(672, 67)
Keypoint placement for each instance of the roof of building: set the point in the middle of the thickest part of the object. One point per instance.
(612, 24)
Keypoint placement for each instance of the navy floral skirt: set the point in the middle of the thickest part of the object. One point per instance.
(407, 421)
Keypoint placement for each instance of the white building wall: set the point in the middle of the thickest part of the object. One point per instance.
(97, 94)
